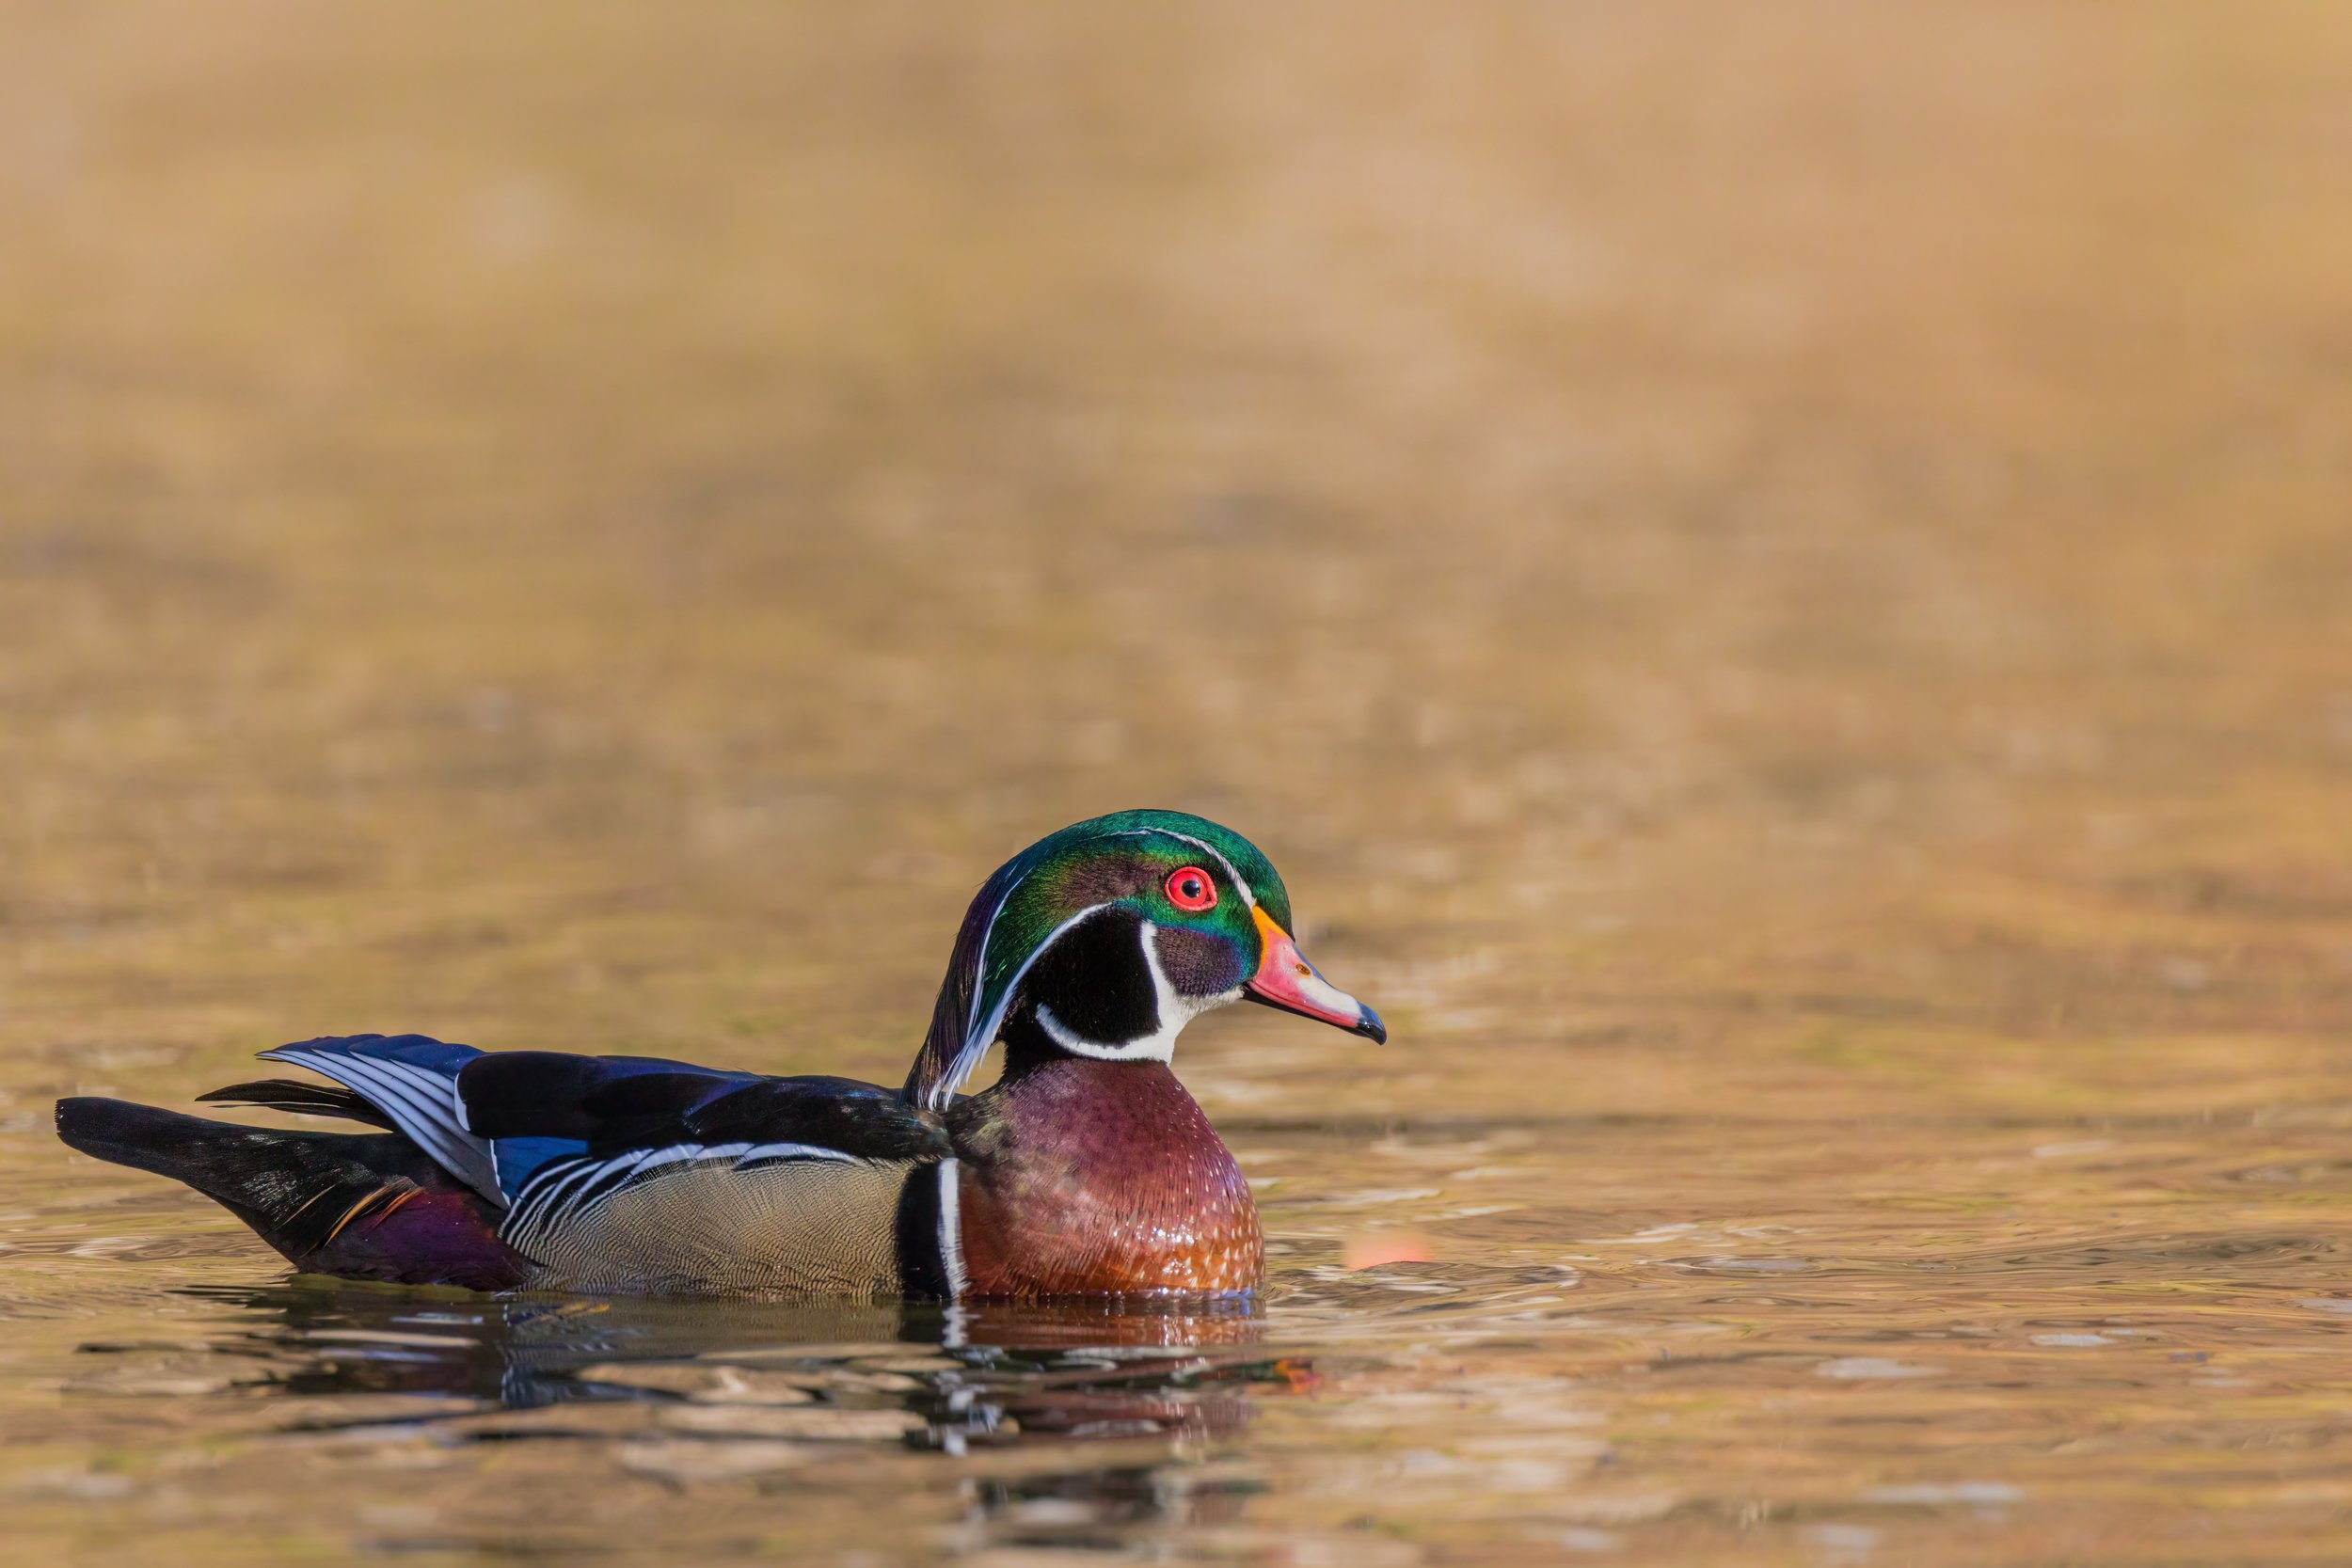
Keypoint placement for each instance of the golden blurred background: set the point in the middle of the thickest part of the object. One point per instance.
(595, 525)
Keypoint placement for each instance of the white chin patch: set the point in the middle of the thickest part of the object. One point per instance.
(1174, 1009)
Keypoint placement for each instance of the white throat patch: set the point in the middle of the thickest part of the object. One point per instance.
(1174, 1009)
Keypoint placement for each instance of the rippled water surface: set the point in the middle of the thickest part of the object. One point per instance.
(1773, 578)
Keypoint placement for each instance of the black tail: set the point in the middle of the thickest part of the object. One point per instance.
(308, 1195)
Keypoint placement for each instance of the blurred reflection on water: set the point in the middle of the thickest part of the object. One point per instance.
(1144, 1369)
(1953, 1353)
(1774, 577)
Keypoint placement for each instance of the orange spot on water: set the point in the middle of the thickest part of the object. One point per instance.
(1370, 1250)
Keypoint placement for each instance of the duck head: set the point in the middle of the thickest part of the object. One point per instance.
(1105, 939)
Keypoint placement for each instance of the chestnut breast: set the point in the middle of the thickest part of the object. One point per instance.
(1082, 1176)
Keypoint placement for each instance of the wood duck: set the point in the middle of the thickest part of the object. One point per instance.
(1085, 1169)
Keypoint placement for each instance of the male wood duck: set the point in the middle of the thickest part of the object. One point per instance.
(1085, 1169)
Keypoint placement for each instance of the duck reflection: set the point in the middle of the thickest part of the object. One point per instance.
(993, 1375)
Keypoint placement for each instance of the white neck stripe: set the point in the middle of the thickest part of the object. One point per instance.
(1174, 1010)
(1156, 1047)
(951, 1228)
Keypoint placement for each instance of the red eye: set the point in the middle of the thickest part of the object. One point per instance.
(1191, 891)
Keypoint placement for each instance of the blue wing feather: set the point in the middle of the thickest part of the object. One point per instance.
(519, 1159)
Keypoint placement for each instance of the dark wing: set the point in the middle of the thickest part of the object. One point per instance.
(553, 1132)
(612, 1105)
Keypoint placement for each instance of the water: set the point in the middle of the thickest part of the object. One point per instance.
(1992, 1352)
(1773, 583)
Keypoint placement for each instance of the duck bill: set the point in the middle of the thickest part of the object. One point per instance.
(1287, 981)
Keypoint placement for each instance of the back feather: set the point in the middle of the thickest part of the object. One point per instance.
(617, 1104)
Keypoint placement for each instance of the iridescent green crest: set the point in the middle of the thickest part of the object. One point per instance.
(1058, 881)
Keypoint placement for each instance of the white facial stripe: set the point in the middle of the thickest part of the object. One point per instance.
(977, 1041)
(972, 1018)
(1174, 1010)
(967, 1057)
(1248, 894)
(1078, 1045)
